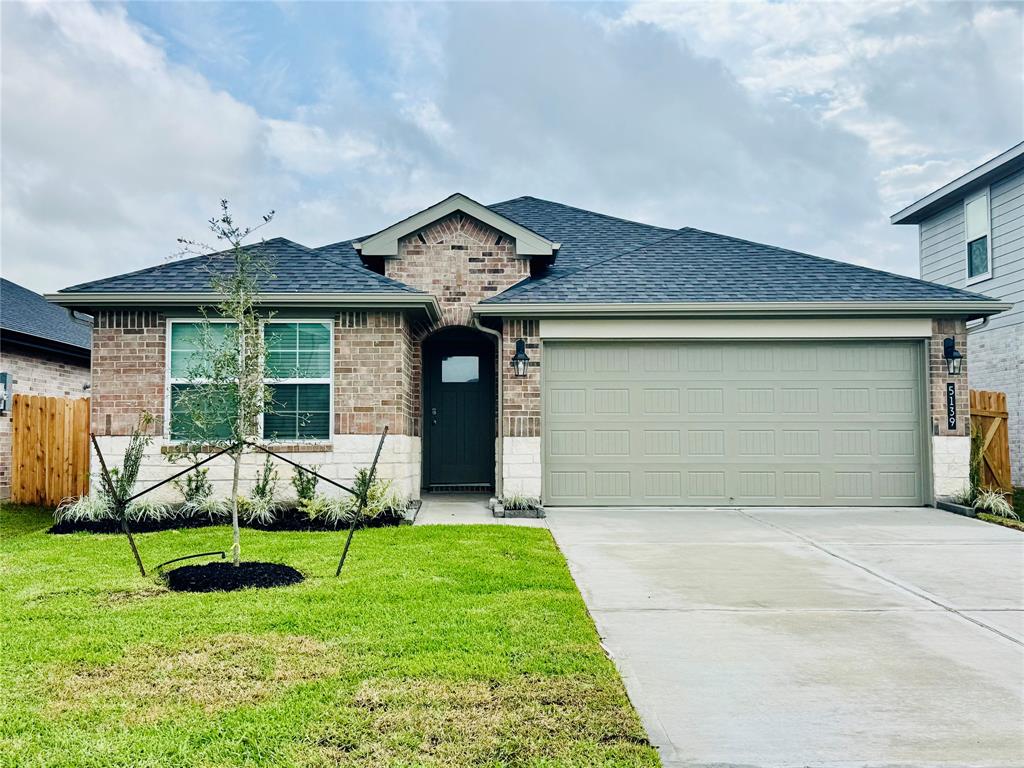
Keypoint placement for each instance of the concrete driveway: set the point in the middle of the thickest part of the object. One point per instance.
(810, 637)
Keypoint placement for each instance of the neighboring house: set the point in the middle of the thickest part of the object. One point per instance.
(43, 351)
(666, 367)
(972, 235)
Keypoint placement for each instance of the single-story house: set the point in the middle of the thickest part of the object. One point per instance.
(43, 351)
(533, 347)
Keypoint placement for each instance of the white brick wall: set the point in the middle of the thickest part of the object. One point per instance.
(399, 462)
(521, 467)
(996, 362)
(951, 463)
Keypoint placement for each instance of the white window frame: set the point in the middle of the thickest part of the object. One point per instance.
(986, 275)
(329, 381)
(169, 380)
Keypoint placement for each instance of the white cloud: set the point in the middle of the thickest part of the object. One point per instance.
(798, 124)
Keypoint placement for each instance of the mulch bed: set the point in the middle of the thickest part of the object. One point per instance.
(286, 520)
(226, 577)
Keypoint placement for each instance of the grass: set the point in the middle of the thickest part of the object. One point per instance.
(438, 646)
(1008, 522)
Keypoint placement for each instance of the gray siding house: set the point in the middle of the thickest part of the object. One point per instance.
(972, 236)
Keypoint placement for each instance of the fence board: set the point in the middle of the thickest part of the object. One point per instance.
(50, 449)
(990, 415)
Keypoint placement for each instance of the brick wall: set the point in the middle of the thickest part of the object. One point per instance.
(938, 377)
(34, 372)
(128, 349)
(373, 370)
(521, 409)
(459, 260)
(997, 364)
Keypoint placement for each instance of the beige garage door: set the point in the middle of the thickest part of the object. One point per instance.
(738, 423)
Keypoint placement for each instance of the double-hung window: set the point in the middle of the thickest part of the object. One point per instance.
(208, 415)
(977, 225)
(299, 377)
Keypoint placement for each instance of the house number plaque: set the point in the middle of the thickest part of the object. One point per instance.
(951, 405)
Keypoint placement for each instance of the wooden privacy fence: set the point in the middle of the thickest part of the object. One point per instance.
(50, 451)
(989, 414)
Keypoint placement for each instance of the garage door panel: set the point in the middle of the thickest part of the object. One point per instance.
(733, 422)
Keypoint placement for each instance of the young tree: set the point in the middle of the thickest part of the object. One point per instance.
(225, 368)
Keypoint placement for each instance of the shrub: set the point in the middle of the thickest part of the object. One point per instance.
(304, 484)
(518, 502)
(381, 498)
(266, 482)
(320, 507)
(965, 496)
(995, 503)
(977, 454)
(91, 507)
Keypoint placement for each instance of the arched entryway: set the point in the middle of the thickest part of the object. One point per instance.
(459, 410)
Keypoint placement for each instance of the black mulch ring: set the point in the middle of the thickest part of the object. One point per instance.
(286, 520)
(225, 577)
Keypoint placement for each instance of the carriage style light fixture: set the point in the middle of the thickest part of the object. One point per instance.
(954, 358)
(520, 362)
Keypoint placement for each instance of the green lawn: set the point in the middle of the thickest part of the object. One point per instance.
(438, 646)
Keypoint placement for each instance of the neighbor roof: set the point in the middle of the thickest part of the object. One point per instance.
(693, 266)
(1001, 165)
(29, 314)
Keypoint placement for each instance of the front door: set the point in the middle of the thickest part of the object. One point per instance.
(459, 411)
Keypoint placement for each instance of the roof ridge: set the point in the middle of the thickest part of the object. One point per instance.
(805, 255)
(583, 210)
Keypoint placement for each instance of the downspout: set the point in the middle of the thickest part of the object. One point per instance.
(499, 468)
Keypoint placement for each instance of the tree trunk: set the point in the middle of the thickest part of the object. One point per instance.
(236, 546)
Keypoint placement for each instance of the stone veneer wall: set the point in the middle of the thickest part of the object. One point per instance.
(951, 449)
(34, 372)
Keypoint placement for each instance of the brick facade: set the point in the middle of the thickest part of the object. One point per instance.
(938, 377)
(373, 374)
(459, 260)
(35, 372)
(521, 409)
(128, 350)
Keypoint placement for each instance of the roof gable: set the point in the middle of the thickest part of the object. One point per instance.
(385, 242)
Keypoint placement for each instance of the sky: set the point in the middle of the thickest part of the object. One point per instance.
(802, 125)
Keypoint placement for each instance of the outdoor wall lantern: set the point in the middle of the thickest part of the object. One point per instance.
(520, 361)
(954, 358)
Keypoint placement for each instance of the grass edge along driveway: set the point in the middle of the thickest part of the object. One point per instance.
(438, 646)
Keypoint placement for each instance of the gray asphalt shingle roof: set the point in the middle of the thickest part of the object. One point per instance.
(294, 268)
(602, 259)
(691, 265)
(22, 311)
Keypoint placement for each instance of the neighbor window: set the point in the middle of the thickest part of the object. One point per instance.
(185, 373)
(299, 377)
(979, 249)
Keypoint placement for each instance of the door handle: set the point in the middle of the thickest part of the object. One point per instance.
(433, 414)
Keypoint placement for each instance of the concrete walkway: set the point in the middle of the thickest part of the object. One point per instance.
(465, 509)
(810, 637)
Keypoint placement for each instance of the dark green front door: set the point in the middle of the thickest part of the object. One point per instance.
(459, 410)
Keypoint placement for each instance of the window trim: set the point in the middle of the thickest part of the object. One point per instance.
(168, 380)
(987, 274)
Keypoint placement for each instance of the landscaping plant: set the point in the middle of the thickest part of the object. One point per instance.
(226, 394)
(517, 502)
(995, 503)
(261, 504)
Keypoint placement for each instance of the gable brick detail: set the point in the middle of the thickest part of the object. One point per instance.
(461, 261)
